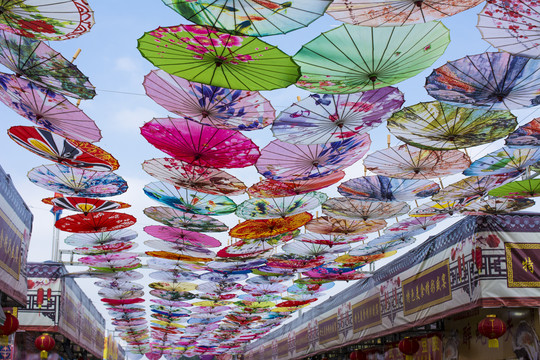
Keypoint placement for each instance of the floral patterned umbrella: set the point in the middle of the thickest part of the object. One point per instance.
(182, 220)
(47, 109)
(200, 144)
(337, 227)
(105, 249)
(267, 188)
(62, 150)
(383, 244)
(178, 257)
(39, 63)
(267, 208)
(193, 177)
(219, 277)
(211, 105)
(289, 162)
(264, 289)
(304, 289)
(319, 119)
(180, 249)
(527, 135)
(95, 222)
(518, 189)
(382, 188)
(173, 275)
(297, 263)
(205, 55)
(173, 265)
(450, 207)
(78, 182)
(345, 208)
(511, 26)
(173, 286)
(248, 248)
(333, 274)
(414, 223)
(494, 80)
(497, 206)
(503, 161)
(269, 279)
(212, 287)
(396, 12)
(473, 186)
(99, 260)
(235, 266)
(329, 240)
(312, 249)
(253, 229)
(47, 20)
(351, 58)
(189, 200)
(85, 205)
(172, 295)
(120, 294)
(101, 238)
(439, 126)
(408, 162)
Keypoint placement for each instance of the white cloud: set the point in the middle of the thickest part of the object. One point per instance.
(127, 64)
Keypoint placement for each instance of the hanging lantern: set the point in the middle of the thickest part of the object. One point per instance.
(40, 293)
(357, 355)
(10, 325)
(49, 294)
(492, 328)
(44, 343)
(408, 347)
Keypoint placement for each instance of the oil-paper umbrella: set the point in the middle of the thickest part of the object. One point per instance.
(320, 119)
(350, 58)
(189, 201)
(494, 80)
(312, 249)
(105, 249)
(181, 249)
(382, 188)
(247, 248)
(205, 55)
(62, 150)
(182, 220)
(199, 144)
(296, 263)
(383, 244)
(95, 222)
(47, 20)
(503, 161)
(268, 188)
(253, 229)
(518, 189)
(78, 182)
(339, 227)
(102, 238)
(267, 208)
(210, 105)
(439, 126)
(333, 274)
(473, 186)
(36, 61)
(85, 205)
(173, 286)
(395, 12)
(47, 109)
(511, 26)
(329, 240)
(288, 162)
(219, 277)
(120, 294)
(178, 257)
(232, 267)
(346, 208)
(497, 206)
(450, 207)
(264, 289)
(408, 162)
(527, 135)
(251, 17)
(424, 223)
(173, 275)
(193, 177)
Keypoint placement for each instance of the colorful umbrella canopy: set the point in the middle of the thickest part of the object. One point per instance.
(312, 249)
(408, 162)
(309, 288)
(494, 80)
(205, 55)
(172, 295)
(178, 257)
(511, 26)
(189, 201)
(47, 109)
(382, 188)
(329, 240)
(297, 263)
(180, 249)
(267, 188)
(503, 161)
(346, 208)
(337, 227)
(267, 208)
(350, 58)
(497, 206)
(219, 277)
(527, 135)
(105, 249)
(218, 287)
(235, 266)
(78, 182)
(473, 186)
(247, 248)
(320, 119)
(210, 105)
(450, 207)
(47, 20)
(279, 278)
(251, 17)
(173, 286)
(518, 189)
(182, 220)
(85, 205)
(288, 162)
(173, 275)
(336, 274)
(395, 12)
(264, 289)
(173, 265)
(200, 144)
(412, 224)
(439, 126)
(383, 244)
(120, 294)
(253, 229)
(193, 177)
(95, 222)
(62, 150)
(102, 238)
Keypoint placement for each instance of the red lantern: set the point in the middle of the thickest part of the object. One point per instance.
(357, 355)
(10, 325)
(40, 293)
(49, 294)
(492, 328)
(44, 343)
(408, 347)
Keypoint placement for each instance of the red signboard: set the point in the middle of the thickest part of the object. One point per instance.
(523, 264)
(367, 313)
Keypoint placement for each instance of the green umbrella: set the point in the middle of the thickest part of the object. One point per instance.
(440, 126)
(518, 189)
(205, 55)
(351, 58)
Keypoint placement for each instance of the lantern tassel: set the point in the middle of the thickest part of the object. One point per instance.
(43, 354)
(4, 340)
(409, 357)
(493, 343)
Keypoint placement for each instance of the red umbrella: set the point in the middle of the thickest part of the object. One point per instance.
(95, 222)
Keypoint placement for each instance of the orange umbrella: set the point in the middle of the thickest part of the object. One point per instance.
(253, 229)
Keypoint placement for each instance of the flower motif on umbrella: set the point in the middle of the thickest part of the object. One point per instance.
(338, 227)
(518, 189)
(181, 236)
(205, 55)
(180, 249)
(336, 274)
(303, 248)
(267, 208)
(232, 267)
(253, 229)
(173, 275)
(278, 278)
(85, 205)
(199, 144)
(346, 208)
(408, 162)
(105, 249)
(395, 12)
(109, 259)
(450, 207)
(383, 244)
(101, 238)
(527, 135)
(219, 277)
(47, 109)
(439, 126)
(189, 200)
(503, 161)
(350, 58)
(172, 295)
(320, 119)
(473, 186)
(497, 206)
(264, 289)
(494, 80)
(79, 182)
(173, 286)
(95, 222)
(289, 162)
(268, 188)
(329, 240)
(304, 289)
(424, 223)
(178, 257)
(297, 263)
(253, 247)
(182, 220)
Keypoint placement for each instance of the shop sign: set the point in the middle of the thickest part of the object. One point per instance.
(523, 264)
(367, 313)
(302, 342)
(328, 329)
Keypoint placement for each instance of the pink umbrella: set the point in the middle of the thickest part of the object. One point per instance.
(199, 144)
(267, 188)
(180, 236)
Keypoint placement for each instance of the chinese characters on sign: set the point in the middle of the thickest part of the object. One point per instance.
(521, 261)
(328, 330)
(11, 241)
(367, 313)
(302, 341)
